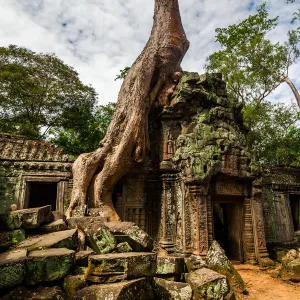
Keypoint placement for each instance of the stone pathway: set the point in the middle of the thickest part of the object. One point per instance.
(261, 286)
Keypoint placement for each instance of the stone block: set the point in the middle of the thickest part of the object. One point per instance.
(82, 257)
(58, 225)
(83, 222)
(26, 218)
(169, 265)
(124, 247)
(48, 265)
(100, 238)
(12, 268)
(128, 232)
(107, 268)
(10, 238)
(218, 261)
(62, 239)
(73, 283)
(195, 262)
(127, 290)
(208, 284)
(165, 290)
(291, 270)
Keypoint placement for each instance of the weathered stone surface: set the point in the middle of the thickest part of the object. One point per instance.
(208, 284)
(120, 266)
(42, 293)
(100, 238)
(26, 218)
(12, 268)
(74, 283)
(57, 215)
(134, 289)
(62, 239)
(195, 262)
(124, 247)
(9, 238)
(218, 261)
(169, 265)
(291, 266)
(48, 265)
(165, 290)
(82, 257)
(137, 238)
(58, 225)
(83, 222)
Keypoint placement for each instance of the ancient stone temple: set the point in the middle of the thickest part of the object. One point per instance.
(198, 183)
(32, 174)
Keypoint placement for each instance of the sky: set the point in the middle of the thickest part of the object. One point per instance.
(100, 37)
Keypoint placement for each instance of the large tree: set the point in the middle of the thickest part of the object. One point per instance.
(126, 142)
(38, 92)
(252, 65)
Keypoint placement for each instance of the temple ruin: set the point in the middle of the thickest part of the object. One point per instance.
(197, 185)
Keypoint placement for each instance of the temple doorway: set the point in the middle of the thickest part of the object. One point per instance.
(40, 194)
(295, 208)
(228, 225)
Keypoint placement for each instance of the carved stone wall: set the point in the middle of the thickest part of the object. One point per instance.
(25, 161)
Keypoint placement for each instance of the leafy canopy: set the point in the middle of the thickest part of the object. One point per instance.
(39, 92)
(251, 64)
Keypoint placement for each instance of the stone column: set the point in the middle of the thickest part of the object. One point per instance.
(199, 220)
(168, 213)
(258, 227)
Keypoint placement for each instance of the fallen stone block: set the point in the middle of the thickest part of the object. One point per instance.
(208, 284)
(169, 265)
(165, 290)
(128, 232)
(10, 238)
(48, 265)
(100, 238)
(195, 262)
(41, 293)
(12, 268)
(73, 283)
(58, 215)
(108, 268)
(218, 261)
(291, 270)
(82, 257)
(124, 247)
(61, 239)
(83, 222)
(26, 218)
(58, 225)
(127, 290)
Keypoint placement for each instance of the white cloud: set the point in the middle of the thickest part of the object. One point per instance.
(100, 37)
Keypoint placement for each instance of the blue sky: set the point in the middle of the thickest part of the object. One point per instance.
(100, 37)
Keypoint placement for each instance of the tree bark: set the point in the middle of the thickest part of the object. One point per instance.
(294, 89)
(126, 142)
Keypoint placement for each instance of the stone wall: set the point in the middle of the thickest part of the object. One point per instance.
(24, 161)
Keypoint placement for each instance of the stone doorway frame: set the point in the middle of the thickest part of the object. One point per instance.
(62, 188)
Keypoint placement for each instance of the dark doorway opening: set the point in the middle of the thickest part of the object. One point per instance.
(228, 225)
(295, 208)
(41, 194)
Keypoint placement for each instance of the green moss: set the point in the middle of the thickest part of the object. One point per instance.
(12, 275)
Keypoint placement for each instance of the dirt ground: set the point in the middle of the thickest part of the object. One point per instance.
(261, 286)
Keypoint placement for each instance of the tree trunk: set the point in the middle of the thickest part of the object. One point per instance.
(126, 142)
(294, 89)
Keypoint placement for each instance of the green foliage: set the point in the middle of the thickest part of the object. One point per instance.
(123, 73)
(83, 133)
(251, 64)
(274, 135)
(38, 92)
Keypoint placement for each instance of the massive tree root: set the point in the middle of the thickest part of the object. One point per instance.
(127, 140)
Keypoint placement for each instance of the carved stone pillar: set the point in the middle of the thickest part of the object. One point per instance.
(168, 213)
(199, 220)
(248, 232)
(258, 227)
